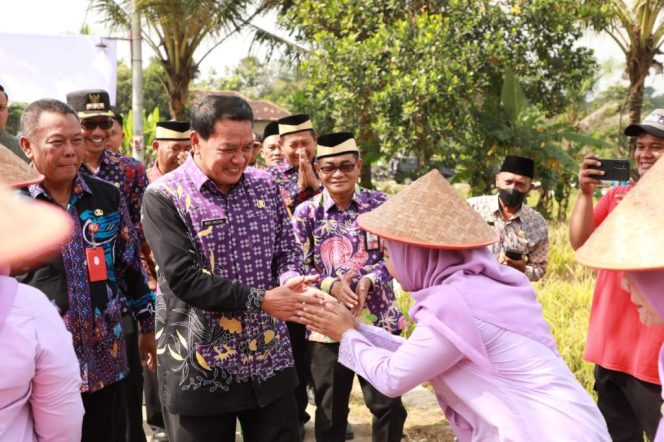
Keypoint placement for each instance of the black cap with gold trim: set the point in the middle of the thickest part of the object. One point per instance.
(331, 145)
(172, 130)
(295, 123)
(90, 103)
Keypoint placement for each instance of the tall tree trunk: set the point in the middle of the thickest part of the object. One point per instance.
(634, 106)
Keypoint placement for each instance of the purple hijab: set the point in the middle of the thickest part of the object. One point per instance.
(651, 285)
(451, 288)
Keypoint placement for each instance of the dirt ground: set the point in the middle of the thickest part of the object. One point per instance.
(425, 422)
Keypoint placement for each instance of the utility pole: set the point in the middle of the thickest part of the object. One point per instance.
(137, 83)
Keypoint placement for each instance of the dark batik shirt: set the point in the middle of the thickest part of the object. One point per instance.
(333, 244)
(286, 177)
(216, 255)
(92, 310)
(128, 175)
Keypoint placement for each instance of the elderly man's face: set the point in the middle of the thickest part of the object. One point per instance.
(96, 133)
(171, 154)
(55, 147)
(299, 143)
(226, 153)
(339, 174)
(4, 110)
(272, 150)
(648, 150)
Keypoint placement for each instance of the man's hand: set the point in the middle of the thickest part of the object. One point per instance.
(519, 264)
(331, 319)
(147, 345)
(587, 176)
(285, 301)
(362, 290)
(341, 290)
(306, 175)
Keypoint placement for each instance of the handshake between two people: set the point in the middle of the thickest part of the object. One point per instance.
(301, 302)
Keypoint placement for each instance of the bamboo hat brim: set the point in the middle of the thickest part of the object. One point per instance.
(631, 236)
(429, 213)
(14, 172)
(29, 229)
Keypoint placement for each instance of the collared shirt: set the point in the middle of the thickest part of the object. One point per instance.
(153, 173)
(128, 175)
(216, 255)
(526, 231)
(333, 244)
(92, 310)
(40, 396)
(286, 177)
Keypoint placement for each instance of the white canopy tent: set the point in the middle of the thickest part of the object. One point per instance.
(50, 66)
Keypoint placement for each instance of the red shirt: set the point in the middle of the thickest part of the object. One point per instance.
(616, 338)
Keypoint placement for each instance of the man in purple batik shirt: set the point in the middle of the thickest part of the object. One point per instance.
(228, 271)
(350, 266)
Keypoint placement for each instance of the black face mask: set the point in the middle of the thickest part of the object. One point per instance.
(511, 198)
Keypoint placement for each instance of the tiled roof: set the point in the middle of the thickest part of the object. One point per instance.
(263, 110)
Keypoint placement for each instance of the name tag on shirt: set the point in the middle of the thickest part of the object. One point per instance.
(213, 222)
(371, 242)
(96, 264)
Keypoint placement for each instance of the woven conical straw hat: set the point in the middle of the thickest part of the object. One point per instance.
(631, 237)
(13, 170)
(29, 229)
(429, 213)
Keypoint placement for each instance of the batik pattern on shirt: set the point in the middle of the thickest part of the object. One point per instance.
(286, 177)
(333, 244)
(526, 231)
(128, 175)
(212, 335)
(92, 311)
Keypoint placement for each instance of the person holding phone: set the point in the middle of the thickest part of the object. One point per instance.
(623, 350)
(524, 236)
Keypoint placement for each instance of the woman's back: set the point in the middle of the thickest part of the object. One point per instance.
(532, 397)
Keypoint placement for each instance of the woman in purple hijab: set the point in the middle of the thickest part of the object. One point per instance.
(480, 339)
(631, 239)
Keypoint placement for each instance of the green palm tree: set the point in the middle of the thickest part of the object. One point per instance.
(638, 30)
(175, 29)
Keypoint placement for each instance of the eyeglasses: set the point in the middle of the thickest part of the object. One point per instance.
(329, 169)
(92, 125)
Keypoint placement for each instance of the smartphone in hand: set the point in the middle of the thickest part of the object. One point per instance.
(614, 170)
(513, 254)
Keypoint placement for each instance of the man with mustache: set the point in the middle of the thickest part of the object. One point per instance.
(524, 236)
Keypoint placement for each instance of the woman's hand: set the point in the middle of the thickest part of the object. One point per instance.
(331, 319)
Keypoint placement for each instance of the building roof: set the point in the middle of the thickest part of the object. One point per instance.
(263, 110)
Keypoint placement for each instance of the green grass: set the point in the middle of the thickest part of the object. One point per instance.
(565, 294)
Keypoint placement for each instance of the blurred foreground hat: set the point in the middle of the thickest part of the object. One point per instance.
(652, 124)
(172, 130)
(518, 165)
(631, 237)
(272, 128)
(429, 213)
(336, 144)
(295, 123)
(29, 229)
(90, 103)
(14, 172)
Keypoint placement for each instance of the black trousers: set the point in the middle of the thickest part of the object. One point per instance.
(301, 358)
(276, 422)
(629, 405)
(104, 411)
(332, 385)
(133, 385)
(152, 402)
